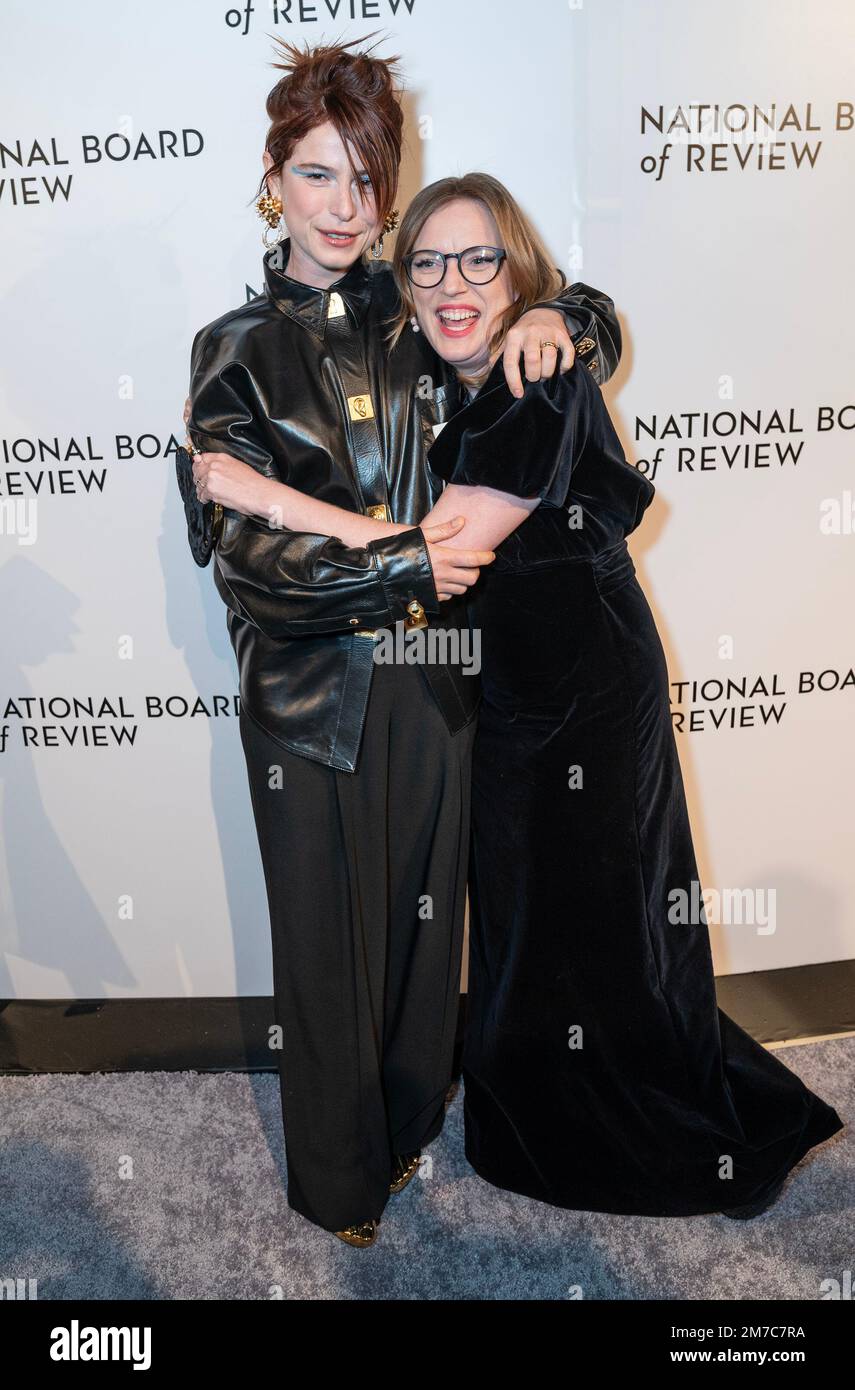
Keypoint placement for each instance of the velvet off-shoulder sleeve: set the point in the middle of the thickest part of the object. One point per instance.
(527, 445)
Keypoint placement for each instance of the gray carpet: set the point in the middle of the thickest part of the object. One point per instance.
(170, 1185)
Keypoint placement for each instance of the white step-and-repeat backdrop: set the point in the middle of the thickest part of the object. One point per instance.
(696, 162)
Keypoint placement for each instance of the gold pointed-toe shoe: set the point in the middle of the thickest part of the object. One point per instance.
(404, 1168)
(362, 1233)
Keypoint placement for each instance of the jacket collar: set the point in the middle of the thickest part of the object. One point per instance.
(492, 397)
(495, 377)
(306, 303)
(491, 401)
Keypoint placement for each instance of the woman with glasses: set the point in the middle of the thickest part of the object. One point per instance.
(358, 771)
(599, 1072)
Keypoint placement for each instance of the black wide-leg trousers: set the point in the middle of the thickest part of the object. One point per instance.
(366, 882)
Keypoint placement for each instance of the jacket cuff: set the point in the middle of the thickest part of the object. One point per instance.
(592, 324)
(574, 319)
(403, 564)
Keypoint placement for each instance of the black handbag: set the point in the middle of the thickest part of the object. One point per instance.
(204, 519)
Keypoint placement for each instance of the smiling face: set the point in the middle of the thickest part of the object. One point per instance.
(331, 216)
(458, 317)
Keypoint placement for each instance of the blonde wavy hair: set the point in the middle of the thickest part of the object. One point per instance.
(533, 278)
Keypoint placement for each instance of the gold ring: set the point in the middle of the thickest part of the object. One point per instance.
(547, 343)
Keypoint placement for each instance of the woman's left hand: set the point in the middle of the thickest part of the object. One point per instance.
(536, 327)
(221, 478)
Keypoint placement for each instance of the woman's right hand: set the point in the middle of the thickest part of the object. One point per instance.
(454, 570)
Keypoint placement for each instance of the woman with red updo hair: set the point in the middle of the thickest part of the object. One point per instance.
(358, 769)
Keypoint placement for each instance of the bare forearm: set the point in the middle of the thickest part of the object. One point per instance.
(285, 507)
(490, 515)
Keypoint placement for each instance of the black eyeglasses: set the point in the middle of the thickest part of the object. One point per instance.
(477, 264)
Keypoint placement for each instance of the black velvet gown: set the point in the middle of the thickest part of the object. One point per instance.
(599, 1072)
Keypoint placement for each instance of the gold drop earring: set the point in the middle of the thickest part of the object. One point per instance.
(390, 222)
(269, 207)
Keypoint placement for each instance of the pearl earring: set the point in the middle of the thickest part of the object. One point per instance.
(414, 321)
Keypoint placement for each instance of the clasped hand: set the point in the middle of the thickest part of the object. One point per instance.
(241, 488)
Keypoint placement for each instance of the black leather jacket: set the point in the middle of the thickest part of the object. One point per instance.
(299, 383)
